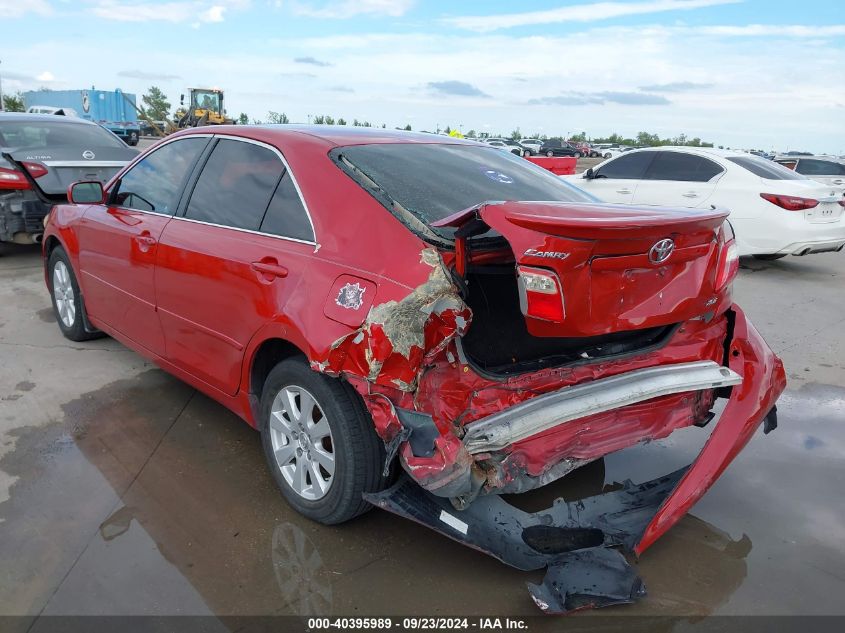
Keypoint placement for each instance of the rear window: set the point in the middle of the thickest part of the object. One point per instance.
(433, 181)
(43, 135)
(767, 169)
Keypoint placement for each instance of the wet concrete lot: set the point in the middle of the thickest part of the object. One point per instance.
(123, 491)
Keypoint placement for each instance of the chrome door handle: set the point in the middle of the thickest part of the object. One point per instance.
(623, 191)
(690, 194)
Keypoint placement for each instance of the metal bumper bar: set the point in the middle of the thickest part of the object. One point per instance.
(542, 413)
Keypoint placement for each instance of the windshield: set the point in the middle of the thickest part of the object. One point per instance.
(207, 101)
(48, 134)
(765, 168)
(433, 181)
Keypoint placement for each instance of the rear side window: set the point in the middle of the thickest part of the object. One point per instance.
(767, 169)
(236, 185)
(815, 167)
(155, 183)
(681, 166)
(628, 167)
(286, 215)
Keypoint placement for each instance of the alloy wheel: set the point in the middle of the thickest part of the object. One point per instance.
(302, 442)
(63, 294)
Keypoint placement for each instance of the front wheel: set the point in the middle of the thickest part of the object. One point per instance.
(577, 154)
(319, 443)
(550, 153)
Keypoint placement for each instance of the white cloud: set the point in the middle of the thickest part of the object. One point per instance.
(46, 76)
(191, 11)
(18, 8)
(578, 13)
(342, 9)
(213, 14)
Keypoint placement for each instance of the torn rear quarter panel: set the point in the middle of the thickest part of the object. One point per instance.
(397, 336)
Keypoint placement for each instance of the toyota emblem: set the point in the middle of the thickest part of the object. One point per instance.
(661, 251)
(88, 154)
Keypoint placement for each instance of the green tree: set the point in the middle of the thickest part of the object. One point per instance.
(277, 117)
(156, 104)
(329, 120)
(516, 135)
(243, 119)
(13, 103)
(407, 128)
(341, 121)
(581, 137)
(319, 120)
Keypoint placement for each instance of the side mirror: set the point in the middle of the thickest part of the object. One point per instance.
(588, 175)
(86, 192)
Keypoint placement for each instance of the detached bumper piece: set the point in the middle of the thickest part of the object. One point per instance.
(573, 540)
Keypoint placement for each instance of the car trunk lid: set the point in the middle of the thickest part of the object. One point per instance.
(619, 267)
(65, 166)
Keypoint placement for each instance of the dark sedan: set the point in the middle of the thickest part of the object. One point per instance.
(40, 155)
(554, 147)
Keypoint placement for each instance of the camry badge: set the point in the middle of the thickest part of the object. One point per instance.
(533, 252)
(661, 251)
(351, 296)
(88, 154)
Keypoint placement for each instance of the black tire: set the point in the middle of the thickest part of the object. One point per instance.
(769, 257)
(577, 154)
(550, 153)
(526, 153)
(358, 452)
(75, 331)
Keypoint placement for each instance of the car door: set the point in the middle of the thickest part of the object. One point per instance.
(678, 179)
(231, 260)
(617, 179)
(118, 241)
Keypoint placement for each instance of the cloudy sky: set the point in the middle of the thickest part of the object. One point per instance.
(742, 73)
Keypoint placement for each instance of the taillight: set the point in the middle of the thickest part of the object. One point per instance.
(12, 179)
(790, 203)
(540, 294)
(36, 170)
(728, 258)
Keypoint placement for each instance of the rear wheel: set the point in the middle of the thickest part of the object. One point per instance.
(577, 154)
(769, 257)
(550, 153)
(319, 443)
(67, 299)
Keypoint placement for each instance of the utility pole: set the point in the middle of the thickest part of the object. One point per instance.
(2, 107)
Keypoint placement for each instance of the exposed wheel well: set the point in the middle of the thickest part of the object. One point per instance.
(50, 245)
(269, 354)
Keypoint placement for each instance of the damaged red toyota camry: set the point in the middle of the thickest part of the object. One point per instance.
(366, 297)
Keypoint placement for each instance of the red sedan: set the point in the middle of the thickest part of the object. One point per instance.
(363, 297)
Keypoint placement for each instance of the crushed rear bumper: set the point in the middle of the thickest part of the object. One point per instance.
(579, 542)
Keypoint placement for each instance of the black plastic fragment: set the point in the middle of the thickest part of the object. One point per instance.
(423, 431)
(770, 422)
(587, 579)
(572, 539)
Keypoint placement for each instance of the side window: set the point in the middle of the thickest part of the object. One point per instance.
(627, 167)
(814, 167)
(235, 185)
(789, 164)
(155, 183)
(682, 166)
(286, 215)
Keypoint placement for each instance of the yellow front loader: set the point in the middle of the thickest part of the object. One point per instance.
(204, 108)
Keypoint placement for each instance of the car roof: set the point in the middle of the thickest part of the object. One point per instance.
(32, 117)
(342, 134)
(701, 151)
